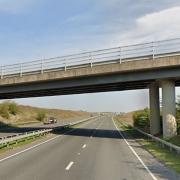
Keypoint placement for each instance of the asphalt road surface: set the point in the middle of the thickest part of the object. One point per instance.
(93, 151)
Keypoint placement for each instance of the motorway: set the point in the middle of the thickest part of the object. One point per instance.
(94, 150)
(9, 131)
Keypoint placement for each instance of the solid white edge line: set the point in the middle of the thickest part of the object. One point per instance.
(134, 152)
(69, 166)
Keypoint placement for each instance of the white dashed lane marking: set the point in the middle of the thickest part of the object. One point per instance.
(69, 166)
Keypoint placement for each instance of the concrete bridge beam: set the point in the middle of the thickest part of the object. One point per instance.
(168, 108)
(154, 109)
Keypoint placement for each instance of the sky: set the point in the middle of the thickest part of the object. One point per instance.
(32, 29)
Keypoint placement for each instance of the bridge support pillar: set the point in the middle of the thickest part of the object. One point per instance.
(154, 109)
(168, 108)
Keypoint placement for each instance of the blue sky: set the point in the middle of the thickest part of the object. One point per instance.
(32, 29)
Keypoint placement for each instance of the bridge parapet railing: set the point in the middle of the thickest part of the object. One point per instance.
(148, 51)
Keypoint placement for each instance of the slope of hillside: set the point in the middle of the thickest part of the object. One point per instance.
(28, 114)
(128, 117)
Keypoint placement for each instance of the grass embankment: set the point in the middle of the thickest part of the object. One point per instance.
(141, 120)
(169, 158)
(174, 140)
(14, 114)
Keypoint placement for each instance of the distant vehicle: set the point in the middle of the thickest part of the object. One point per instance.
(91, 115)
(51, 120)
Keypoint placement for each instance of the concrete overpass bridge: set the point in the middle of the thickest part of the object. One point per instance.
(141, 66)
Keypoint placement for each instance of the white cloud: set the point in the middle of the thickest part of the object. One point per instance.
(163, 24)
(159, 25)
(14, 6)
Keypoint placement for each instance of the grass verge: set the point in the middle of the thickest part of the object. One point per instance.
(169, 158)
(21, 123)
(174, 140)
(20, 143)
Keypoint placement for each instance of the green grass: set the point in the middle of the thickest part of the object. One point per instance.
(169, 158)
(25, 123)
(174, 140)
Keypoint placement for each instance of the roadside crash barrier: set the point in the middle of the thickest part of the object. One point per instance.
(163, 143)
(7, 140)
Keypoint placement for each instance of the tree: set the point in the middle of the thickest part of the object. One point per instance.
(141, 119)
(4, 110)
(178, 113)
(41, 115)
(13, 108)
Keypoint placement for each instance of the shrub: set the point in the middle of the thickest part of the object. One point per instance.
(4, 110)
(13, 108)
(141, 119)
(41, 115)
(178, 126)
(178, 122)
(178, 114)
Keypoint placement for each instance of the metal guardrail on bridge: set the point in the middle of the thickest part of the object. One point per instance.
(121, 54)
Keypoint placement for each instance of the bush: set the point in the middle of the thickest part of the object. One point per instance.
(178, 121)
(178, 124)
(141, 119)
(13, 108)
(41, 116)
(178, 114)
(7, 108)
(4, 110)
